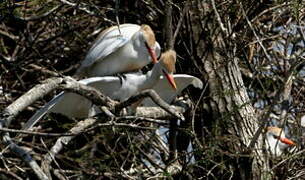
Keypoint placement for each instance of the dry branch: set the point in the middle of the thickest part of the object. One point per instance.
(155, 98)
(68, 84)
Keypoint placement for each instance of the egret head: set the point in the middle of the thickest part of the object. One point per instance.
(150, 41)
(168, 61)
(276, 140)
(279, 134)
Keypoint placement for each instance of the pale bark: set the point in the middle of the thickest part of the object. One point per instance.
(229, 104)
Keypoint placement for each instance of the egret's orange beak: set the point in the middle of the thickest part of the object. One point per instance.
(287, 141)
(152, 54)
(171, 80)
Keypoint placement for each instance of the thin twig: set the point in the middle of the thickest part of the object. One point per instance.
(83, 8)
(38, 17)
(4, 171)
(117, 4)
(182, 14)
(9, 35)
(222, 27)
(256, 36)
(25, 156)
(35, 133)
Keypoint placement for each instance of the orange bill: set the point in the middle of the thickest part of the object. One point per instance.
(287, 141)
(171, 80)
(152, 54)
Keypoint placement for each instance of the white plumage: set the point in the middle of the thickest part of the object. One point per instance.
(167, 93)
(114, 53)
(117, 88)
(276, 142)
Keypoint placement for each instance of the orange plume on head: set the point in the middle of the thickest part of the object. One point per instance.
(280, 134)
(169, 60)
(149, 35)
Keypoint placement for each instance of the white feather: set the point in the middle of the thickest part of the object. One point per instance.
(167, 93)
(273, 144)
(114, 53)
(108, 42)
(76, 106)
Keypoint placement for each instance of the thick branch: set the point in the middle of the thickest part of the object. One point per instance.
(90, 93)
(27, 99)
(155, 97)
(82, 127)
(30, 97)
(72, 85)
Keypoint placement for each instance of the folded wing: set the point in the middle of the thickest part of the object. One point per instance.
(73, 105)
(108, 42)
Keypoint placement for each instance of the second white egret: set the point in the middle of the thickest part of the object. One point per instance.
(276, 141)
(117, 88)
(120, 50)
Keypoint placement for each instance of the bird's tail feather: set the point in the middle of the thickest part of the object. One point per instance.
(197, 83)
(41, 112)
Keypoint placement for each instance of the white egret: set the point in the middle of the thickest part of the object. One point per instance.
(276, 142)
(303, 121)
(117, 88)
(114, 51)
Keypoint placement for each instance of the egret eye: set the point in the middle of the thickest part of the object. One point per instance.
(275, 137)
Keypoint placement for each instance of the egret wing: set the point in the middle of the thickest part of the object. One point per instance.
(109, 41)
(74, 105)
(108, 85)
(77, 106)
(41, 112)
(167, 93)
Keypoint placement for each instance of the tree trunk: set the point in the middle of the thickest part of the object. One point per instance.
(229, 106)
(233, 110)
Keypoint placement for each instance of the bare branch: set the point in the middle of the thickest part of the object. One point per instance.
(181, 18)
(38, 17)
(27, 99)
(222, 27)
(258, 39)
(155, 97)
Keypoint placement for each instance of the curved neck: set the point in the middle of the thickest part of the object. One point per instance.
(152, 77)
(137, 37)
(273, 145)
